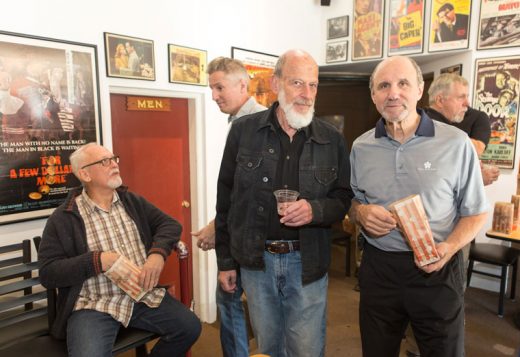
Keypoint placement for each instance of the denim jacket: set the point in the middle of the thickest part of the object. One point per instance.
(245, 192)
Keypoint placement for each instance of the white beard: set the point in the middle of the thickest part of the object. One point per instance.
(115, 182)
(294, 119)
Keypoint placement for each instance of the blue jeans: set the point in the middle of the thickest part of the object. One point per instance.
(92, 333)
(233, 331)
(288, 318)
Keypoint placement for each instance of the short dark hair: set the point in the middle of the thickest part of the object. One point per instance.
(446, 6)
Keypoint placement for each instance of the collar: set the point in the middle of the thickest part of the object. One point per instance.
(92, 206)
(425, 128)
(246, 108)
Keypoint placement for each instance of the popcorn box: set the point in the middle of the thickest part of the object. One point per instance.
(411, 218)
(125, 274)
(503, 217)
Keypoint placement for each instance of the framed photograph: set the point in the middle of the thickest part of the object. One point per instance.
(336, 51)
(337, 27)
(49, 108)
(499, 25)
(129, 57)
(367, 34)
(260, 67)
(187, 65)
(406, 27)
(457, 68)
(496, 93)
(449, 25)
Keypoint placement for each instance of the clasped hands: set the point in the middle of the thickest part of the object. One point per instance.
(377, 222)
(150, 271)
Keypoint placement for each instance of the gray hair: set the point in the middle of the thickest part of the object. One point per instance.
(77, 158)
(418, 72)
(442, 85)
(229, 66)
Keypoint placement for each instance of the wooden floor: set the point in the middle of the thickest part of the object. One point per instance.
(486, 334)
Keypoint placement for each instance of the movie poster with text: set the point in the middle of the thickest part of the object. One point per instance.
(449, 25)
(499, 24)
(368, 29)
(496, 94)
(406, 27)
(48, 108)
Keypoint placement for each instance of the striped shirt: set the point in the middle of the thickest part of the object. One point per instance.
(111, 230)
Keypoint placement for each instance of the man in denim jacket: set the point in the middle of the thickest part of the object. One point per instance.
(283, 260)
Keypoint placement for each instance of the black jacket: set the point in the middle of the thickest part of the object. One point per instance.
(64, 258)
(245, 192)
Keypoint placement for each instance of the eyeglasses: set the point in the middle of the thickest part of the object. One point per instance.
(104, 162)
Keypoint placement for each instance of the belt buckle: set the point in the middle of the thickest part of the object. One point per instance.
(274, 247)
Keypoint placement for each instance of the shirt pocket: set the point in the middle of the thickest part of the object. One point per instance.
(326, 176)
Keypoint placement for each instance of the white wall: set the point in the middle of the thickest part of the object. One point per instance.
(270, 26)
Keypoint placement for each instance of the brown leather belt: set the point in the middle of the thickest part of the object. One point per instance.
(282, 247)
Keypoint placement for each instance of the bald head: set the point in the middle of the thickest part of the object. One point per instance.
(397, 60)
(293, 57)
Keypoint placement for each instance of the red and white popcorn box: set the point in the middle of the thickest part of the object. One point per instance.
(125, 274)
(413, 222)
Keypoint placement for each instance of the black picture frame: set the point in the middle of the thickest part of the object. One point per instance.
(51, 109)
(336, 51)
(260, 67)
(337, 27)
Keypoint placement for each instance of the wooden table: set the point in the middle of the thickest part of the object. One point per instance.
(514, 236)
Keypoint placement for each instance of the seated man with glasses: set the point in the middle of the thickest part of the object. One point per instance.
(98, 226)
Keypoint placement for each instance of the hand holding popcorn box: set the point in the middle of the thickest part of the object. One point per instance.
(411, 218)
(125, 274)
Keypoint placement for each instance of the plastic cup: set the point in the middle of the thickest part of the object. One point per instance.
(284, 199)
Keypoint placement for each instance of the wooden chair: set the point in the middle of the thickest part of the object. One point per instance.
(495, 255)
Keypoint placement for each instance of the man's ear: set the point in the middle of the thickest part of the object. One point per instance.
(275, 84)
(83, 175)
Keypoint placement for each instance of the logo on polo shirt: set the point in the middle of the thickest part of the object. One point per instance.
(427, 166)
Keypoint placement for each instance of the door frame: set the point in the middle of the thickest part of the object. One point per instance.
(204, 264)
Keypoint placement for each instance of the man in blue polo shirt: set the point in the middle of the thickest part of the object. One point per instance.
(409, 153)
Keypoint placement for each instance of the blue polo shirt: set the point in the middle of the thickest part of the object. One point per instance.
(438, 162)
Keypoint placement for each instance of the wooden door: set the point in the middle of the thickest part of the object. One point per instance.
(154, 149)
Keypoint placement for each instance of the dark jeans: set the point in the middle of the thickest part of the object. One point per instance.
(92, 333)
(395, 292)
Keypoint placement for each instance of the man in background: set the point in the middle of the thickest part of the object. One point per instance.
(448, 99)
(409, 153)
(102, 226)
(228, 80)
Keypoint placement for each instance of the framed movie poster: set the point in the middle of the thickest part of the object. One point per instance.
(499, 24)
(336, 51)
(129, 57)
(260, 67)
(457, 68)
(49, 107)
(449, 25)
(496, 93)
(187, 65)
(337, 27)
(367, 36)
(406, 27)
